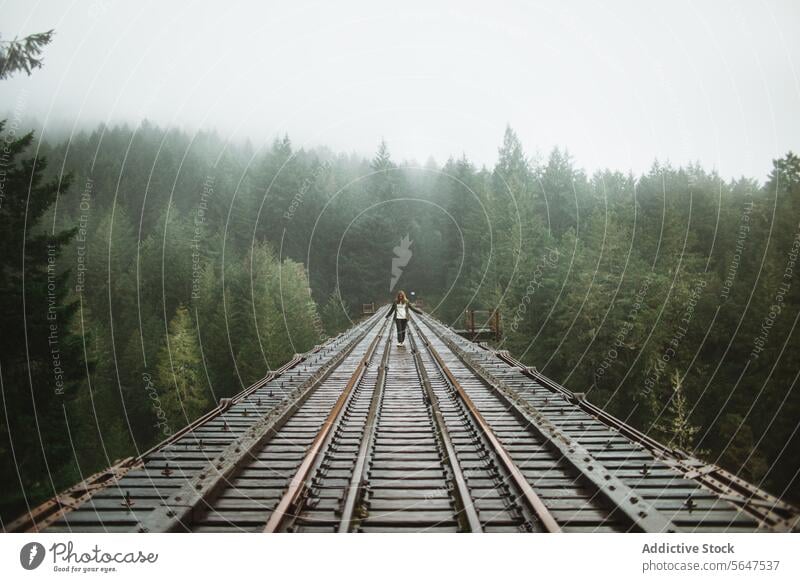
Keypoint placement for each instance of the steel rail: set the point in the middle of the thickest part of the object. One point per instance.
(57, 507)
(641, 513)
(47, 513)
(534, 502)
(50, 511)
(292, 498)
(465, 505)
(355, 489)
(225, 403)
(206, 479)
(765, 508)
(179, 510)
(581, 402)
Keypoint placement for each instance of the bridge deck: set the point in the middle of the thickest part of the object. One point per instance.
(441, 434)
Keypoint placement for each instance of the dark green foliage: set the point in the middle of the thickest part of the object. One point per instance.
(672, 300)
(41, 359)
(184, 394)
(649, 293)
(335, 315)
(165, 296)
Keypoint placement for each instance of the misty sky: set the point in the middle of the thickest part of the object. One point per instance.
(617, 83)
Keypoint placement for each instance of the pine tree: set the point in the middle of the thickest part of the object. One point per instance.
(23, 54)
(676, 427)
(40, 359)
(510, 187)
(335, 316)
(180, 373)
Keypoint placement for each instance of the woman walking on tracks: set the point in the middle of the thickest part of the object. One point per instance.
(401, 308)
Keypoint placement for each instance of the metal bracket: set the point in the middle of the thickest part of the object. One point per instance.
(55, 508)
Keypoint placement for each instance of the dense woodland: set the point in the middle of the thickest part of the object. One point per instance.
(163, 271)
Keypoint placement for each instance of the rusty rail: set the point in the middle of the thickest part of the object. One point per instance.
(53, 509)
(530, 497)
(639, 512)
(464, 503)
(293, 496)
(762, 506)
(355, 489)
(179, 509)
(61, 504)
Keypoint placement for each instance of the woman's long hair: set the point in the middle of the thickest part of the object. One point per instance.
(401, 297)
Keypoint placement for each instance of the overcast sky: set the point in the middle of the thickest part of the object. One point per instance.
(617, 83)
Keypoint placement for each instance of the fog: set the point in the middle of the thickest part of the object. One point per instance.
(618, 84)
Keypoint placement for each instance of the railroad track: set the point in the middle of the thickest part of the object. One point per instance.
(441, 434)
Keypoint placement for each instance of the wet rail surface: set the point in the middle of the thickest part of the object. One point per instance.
(441, 434)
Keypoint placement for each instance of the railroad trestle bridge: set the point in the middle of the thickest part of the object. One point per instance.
(441, 434)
